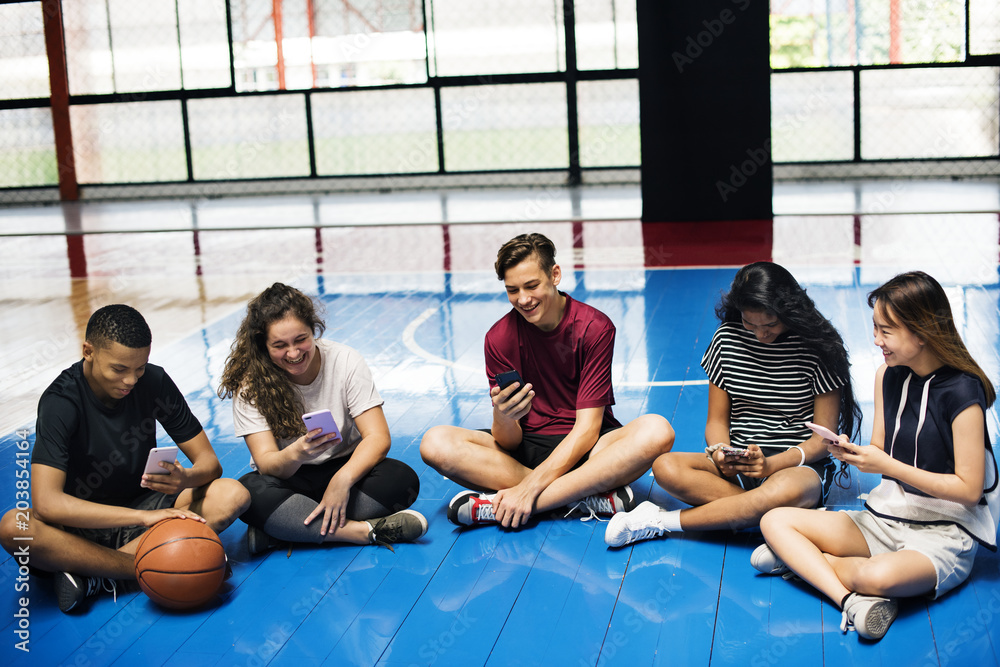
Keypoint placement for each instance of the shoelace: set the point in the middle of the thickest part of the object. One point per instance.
(383, 537)
(484, 511)
(644, 534)
(845, 622)
(592, 505)
(110, 586)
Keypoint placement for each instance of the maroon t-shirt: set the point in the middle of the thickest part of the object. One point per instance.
(569, 368)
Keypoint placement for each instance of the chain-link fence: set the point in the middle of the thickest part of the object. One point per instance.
(904, 87)
(192, 91)
(203, 91)
(27, 144)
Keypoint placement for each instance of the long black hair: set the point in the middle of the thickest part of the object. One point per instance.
(769, 287)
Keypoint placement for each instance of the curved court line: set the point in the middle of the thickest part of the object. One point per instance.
(410, 341)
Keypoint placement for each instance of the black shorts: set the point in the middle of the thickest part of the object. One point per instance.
(116, 538)
(536, 447)
(825, 468)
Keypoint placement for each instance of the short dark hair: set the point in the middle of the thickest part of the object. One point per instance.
(120, 324)
(522, 247)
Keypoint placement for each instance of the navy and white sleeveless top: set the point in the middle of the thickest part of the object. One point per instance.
(772, 386)
(918, 413)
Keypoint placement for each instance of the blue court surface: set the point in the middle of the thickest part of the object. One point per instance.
(552, 593)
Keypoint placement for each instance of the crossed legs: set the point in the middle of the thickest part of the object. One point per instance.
(719, 503)
(474, 460)
(52, 549)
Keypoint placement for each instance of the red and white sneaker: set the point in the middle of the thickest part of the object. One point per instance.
(469, 508)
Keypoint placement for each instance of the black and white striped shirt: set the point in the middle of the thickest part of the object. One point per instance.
(772, 386)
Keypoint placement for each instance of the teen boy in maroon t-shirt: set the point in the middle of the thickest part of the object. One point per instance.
(554, 441)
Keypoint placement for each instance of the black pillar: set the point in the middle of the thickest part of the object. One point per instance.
(705, 110)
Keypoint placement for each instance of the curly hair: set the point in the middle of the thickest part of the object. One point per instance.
(120, 324)
(769, 287)
(249, 372)
(917, 302)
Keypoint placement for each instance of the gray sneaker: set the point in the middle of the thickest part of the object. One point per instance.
(405, 526)
(870, 616)
(606, 504)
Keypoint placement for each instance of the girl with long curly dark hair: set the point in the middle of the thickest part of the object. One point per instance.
(310, 486)
(774, 363)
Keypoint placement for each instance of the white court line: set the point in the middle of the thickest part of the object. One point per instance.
(662, 383)
(409, 340)
(411, 344)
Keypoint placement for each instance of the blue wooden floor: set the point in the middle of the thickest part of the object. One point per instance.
(552, 593)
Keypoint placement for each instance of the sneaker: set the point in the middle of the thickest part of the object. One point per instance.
(608, 503)
(469, 508)
(72, 589)
(765, 561)
(405, 526)
(258, 541)
(870, 616)
(641, 523)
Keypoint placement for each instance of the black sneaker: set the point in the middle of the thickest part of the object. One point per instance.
(72, 589)
(405, 526)
(258, 541)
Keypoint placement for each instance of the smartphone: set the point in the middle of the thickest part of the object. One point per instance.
(321, 419)
(823, 432)
(742, 452)
(157, 454)
(508, 378)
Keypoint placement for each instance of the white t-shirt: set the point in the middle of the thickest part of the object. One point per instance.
(344, 386)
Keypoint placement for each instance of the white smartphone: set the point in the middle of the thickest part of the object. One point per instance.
(823, 432)
(322, 419)
(157, 454)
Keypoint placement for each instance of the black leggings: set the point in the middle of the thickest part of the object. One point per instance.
(391, 486)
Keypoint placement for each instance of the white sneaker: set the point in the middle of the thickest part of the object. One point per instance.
(764, 560)
(871, 616)
(642, 523)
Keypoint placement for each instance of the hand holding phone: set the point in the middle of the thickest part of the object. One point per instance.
(741, 452)
(508, 378)
(156, 455)
(824, 432)
(322, 419)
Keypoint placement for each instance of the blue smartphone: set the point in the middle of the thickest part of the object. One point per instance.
(508, 378)
(322, 419)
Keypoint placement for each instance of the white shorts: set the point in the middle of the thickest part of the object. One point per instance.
(948, 547)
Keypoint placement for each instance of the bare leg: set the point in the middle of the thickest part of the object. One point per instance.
(54, 550)
(220, 502)
(802, 539)
(619, 458)
(470, 458)
(721, 503)
(474, 460)
(899, 574)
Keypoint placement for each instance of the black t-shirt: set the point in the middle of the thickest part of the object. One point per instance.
(103, 450)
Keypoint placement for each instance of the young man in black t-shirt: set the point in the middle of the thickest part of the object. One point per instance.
(91, 499)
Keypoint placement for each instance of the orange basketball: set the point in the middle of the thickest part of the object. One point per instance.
(180, 563)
